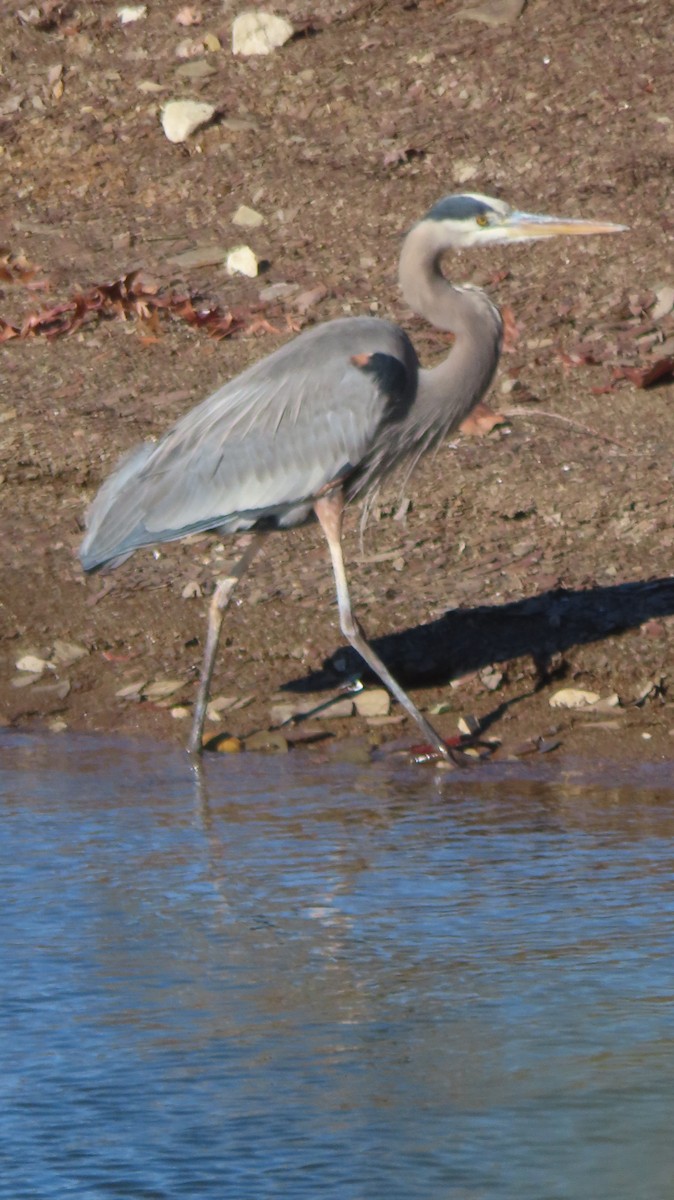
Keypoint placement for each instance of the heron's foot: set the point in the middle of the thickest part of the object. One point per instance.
(453, 752)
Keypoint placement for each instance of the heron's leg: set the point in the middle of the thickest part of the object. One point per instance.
(219, 602)
(329, 510)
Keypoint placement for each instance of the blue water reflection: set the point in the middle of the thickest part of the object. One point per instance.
(302, 980)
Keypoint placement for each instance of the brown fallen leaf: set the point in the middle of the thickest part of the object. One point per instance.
(648, 374)
(511, 334)
(15, 268)
(132, 296)
(481, 421)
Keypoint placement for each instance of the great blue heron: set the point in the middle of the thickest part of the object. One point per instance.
(318, 422)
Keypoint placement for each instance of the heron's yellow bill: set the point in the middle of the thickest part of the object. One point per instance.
(528, 226)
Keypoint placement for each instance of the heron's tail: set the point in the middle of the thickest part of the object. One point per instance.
(114, 518)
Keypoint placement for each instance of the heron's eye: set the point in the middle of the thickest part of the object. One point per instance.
(482, 220)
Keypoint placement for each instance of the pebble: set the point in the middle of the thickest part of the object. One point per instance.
(259, 33)
(242, 261)
(32, 664)
(179, 712)
(180, 118)
(67, 653)
(247, 217)
(131, 13)
(201, 256)
(197, 69)
(375, 702)
(573, 698)
(162, 688)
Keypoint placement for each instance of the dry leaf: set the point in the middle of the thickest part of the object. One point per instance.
(511, 334)
(481, 421)
(129, 296)
(646, 376)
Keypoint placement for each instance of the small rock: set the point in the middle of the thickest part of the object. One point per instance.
(247, 217)
(664, 302)
(149, 86)
(59, 690)
(242, 261)
(375, 702)
(25, 680)
(198, 68)
(162, 688)
(67, 653)
(131, 691)
(58, 725)
(179, 712)
(131, 13)
(180, 118)
(491, 678)
(259, 33)
(32, 664)
(468, 725)
(201, 256)
(309, 298)
(191, 590)
(219, 704)
(573, 698)
(277, 291)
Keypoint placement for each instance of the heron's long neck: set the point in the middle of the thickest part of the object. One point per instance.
(464, 376)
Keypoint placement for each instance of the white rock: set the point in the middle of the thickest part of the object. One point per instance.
(162, 688)
(664, 302)
(67, 653)
(180, 118)
(131, 13)
(242, 261)
(375, 702)
(259, 33)
(31, 662)
(573, 698)
(247, 217)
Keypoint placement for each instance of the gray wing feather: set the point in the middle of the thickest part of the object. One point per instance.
(263, 444)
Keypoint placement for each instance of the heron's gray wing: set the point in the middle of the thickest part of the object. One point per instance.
(261, 446)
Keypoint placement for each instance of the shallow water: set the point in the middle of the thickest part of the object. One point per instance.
(356, 982)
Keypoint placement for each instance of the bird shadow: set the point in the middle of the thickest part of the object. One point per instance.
(465, 640)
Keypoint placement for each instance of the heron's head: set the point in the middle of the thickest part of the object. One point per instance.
(470, 219)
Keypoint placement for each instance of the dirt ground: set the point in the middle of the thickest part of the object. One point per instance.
(536, 557)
